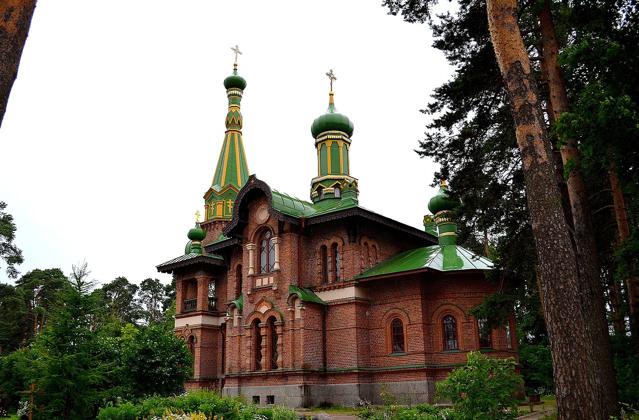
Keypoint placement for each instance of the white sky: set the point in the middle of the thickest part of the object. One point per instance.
(116, 120)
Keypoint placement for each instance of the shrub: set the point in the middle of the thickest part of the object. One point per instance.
(482, 389)
(200, 403)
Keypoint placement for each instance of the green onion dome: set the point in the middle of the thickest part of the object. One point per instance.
(196, 233)
(442, 201)
(235, 81)
(332, 121)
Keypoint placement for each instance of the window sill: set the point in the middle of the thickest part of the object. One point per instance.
(398, 353)
(487, 350)
(452, 351)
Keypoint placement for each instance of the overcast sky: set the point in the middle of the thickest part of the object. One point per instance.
(116, 120)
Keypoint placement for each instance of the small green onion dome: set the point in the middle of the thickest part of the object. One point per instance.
(442, 201)
(196, 233)
(187, 248)
(332, 121)
(235, 81)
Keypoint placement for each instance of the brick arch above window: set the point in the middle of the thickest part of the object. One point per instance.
(437, 333)
(387, 321)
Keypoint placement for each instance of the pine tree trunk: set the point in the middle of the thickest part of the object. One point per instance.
(590, 270)
(623, 228)
(578, 396)
(15, 19)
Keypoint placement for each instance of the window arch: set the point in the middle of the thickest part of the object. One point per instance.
(267, 252)
(336, 260)
(449, 326)
(483, 330)
(324, 264)
(257, 345)
(398, 343)
(270, 323)
(238, 280)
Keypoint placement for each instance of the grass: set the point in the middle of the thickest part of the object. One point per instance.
(341, 410)
(548, 402)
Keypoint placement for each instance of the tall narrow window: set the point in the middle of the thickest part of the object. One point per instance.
(450, 333)
(267, 252)
(397, 336)
(273, 342)
(483, 329)
(191, 344)
(238, 281)
(337, 262)
(257, 345)
(324, 264)
(374, 254)
(509, 339)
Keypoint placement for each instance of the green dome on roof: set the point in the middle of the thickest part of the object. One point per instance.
(235, 81)
(442, 201)
(332, 121)
(196, 233)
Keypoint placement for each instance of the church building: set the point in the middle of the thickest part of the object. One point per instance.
(303, 302)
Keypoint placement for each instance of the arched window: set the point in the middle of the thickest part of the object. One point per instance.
(450, 333)
(324, 264)
(397, 336)
(272, 341)
(337, 261)
(238, 280)
(483, 329)
(267, 252)
(257, 345)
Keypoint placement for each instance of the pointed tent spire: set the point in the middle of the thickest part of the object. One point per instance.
(232, 170)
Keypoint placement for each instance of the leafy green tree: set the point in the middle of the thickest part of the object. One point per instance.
(14, 325)
(9, 252)
(151, 296)
(119, 297)
(156, 362)
(483, 389)
(40, 289)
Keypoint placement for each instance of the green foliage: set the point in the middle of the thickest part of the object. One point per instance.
(536, 368)
(495, 309)
(9, 252)
(484, 388)
(205, 402)
(418, 412)
(156, 361)
(627, 368)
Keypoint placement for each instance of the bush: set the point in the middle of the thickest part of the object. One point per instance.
(536, 368)
(482, 389)
(198, 402)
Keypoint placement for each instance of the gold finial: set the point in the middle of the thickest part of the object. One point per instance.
(237, 52)
(442, 183)
(197, 216)
(331, 77)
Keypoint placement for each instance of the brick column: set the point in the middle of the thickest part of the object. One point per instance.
(179, 297)
(248, 348)
(203, 293)
(279, 329)
(263, 349)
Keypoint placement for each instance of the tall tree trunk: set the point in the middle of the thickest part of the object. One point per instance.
(623, 228)
(578, 396)
(590, 270)
(15, 19)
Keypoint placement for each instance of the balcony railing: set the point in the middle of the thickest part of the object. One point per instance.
(190, 305)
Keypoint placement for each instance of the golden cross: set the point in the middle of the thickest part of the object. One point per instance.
(237, 52)
(197, 216)
(331, 77)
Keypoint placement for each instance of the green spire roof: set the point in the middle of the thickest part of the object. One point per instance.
(232, 170)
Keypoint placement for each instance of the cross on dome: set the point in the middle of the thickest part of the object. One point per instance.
(331, 77)
(237, 52)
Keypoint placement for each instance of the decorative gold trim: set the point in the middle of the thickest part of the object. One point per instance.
(237, 159)
(226, 160)
(448, 234)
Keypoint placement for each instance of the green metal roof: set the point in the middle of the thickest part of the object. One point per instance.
(188, 259)
(295, 207)
(436, 257)
(239, 302)
(305, 295)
